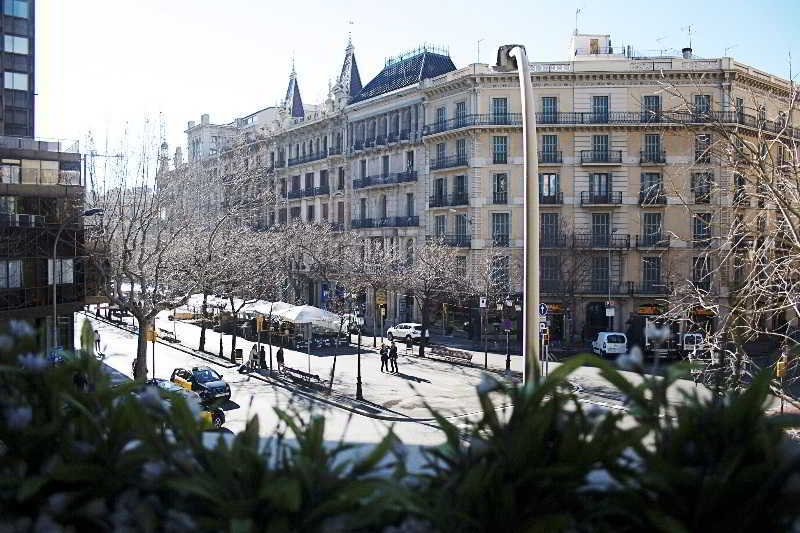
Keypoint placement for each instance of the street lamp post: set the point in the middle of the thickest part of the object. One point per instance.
(608, 303)
(509, 303)
(359, 392)
(87, 213)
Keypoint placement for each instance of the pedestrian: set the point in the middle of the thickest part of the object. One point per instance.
(262, 358)
(384, 357)
(96, 341)
(409, 346)
(253, 356)
(279, 356)
(393, 357)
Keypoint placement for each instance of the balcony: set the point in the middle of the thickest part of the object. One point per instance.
(361, 223)
(295, 194)
(465, 121)
(280, 163)
(741, 198)
(550, 158)
(601, 157)
(601, 198)
(652, 197)
(501, 240)
(593, 240)
(499, 197)
(358, 146)
(307, 158)
(553, 241)
(21, 221)
(447, 200)
(397, 222)
(322, 190)
(25, 297)
(390, 179)
(603, 287)
(702, 196)
(456, 241)
(405, 135)
(652, 157)
(451, 161)
(335, 150)
(700, 241)
(652, 288)
(553, 286)
(551, 199)
(653, 240)
(337, 226)
(380, 140)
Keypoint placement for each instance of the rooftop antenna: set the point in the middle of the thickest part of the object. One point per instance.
(731, 47)
(689, 28)
(350, 33)
(577, 12)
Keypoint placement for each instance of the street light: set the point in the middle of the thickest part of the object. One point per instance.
(359, 392)
(608, 303)
(87, 213)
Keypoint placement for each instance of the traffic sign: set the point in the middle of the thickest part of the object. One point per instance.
(542, 309)
(542, 326)
(380, 297)
(483, 301)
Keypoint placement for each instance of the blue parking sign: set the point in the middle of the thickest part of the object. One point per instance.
(542, 309)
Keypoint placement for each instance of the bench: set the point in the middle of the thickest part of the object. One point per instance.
(298, 376)
(448, 354)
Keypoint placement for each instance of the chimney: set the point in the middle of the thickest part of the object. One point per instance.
(178, 157)
(191, 125)
(687, 53)
(205, 119)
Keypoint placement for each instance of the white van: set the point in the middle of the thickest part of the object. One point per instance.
(608, 342)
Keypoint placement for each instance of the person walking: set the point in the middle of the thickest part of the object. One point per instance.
(262, 358)
(279, 357)
(384, 357)
(253, 356)
(96, 341)
(393, 357)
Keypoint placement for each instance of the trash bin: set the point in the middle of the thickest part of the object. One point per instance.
(238, 353)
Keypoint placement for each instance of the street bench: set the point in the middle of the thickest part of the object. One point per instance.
(167, 335)
(298, 376)
(448, 354)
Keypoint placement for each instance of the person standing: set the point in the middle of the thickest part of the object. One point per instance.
(253, 356)
(279, 357)
(262, 358)
(393, 357)
(384, 357)
(96, 341)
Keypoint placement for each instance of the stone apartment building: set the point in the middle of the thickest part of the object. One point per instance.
(630, 197)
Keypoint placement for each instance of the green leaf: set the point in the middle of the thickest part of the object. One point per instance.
(78, 472)
(285, 494)
(30, 487)
(664, 523)
(241, 525)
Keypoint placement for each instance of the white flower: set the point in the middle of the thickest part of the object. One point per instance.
(20, 328)
(487, 384)
(600, 479)
(19, 417)
(6, 343)
(631, 360)
(33, 362)
(152, 470)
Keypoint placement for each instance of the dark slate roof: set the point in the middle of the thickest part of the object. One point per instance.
(293, 100)
(406, 72)
(350, 73)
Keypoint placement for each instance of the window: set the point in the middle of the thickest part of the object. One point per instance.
(310, 213)
(461, 113)
(651, 272)
(64, 270)
(323, 178)
(739, 193)
(410, 252)
(500, 149)
(652, 189)
(461, 224)
(651, 105)
(652, 145)
(500, 188)
(363, 168)
(9, 174)
(385, 165)
(549, 223)
(410, 160)
(702, 183)
(309, 180)
(701, 273)
(16, 45)
(325, 144)
(651, 228)
(461, 266)
(282, 216)
(601, 228)
(440, 191)
(461, 150)
(600, 147)
(441, 115)
(599, 187)
(295, 213)
(296, 183)
(340, 212)
(702, 103)
(340, 184)
(740, 109)
(600, 273)
(283, 187)
(409, 204)
(500, 110)
(701, 229)
(16, 8)
(501, 227)
(600, 108)
(702, 148)
(325, 212)
(440, 225)
(8, 205)
(440, 152)
(363, 208)
(501, 274)
(15, 80)
(550, 272)
(549, 109)
(384, 209)
(549, 185)
(549, 143)
(10, 274)
(460, 187)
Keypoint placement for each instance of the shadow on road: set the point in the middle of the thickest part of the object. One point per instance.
(411, 378)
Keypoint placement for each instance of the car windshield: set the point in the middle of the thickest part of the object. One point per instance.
(205, 375)
(418, 328)
(616, 338)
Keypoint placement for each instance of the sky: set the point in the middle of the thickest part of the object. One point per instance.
(104, 66)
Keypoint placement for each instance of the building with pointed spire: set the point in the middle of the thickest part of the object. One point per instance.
(293, 103)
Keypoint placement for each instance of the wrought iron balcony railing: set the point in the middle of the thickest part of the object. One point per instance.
(653, 157)
(335, 150)
(307, 158)
(358, 145)
(550, 158)
(21, 221)
(360, 223)
(500, 197)
(601, 157)
(652, 196)
(700, 241)
(556, 198)
(652, 287)
(602, 286)
(553, 286)
(601, 198)
(390, 179)
(447, 200)
(501, 239)
(457, 240)
(594, 240)
(458, 160)
(653, 240)
(380, 140)
(464, 121)
(553, 241)
(397, 222)
(296, 193)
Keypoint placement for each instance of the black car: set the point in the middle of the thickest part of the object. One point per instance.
(204, 381)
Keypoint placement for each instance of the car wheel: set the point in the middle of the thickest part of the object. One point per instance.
(390, 336)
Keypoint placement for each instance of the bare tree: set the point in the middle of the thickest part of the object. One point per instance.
(376, 269)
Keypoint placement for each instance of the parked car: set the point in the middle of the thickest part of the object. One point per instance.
(608, 342)
(409, 331)
(213, 416)
(203, 380)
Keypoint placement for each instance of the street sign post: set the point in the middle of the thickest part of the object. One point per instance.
(542, 309)
(483, 301)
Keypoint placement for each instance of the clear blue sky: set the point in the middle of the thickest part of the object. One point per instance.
(102, 63)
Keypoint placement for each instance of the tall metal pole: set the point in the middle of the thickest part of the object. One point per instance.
(359, 394)
(608, 303)
(507, 56)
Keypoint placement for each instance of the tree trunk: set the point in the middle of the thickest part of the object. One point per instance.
(335, 352)
(202, 347)
(426, 319)
(233, 345)
(140, 365)
(220, 345)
